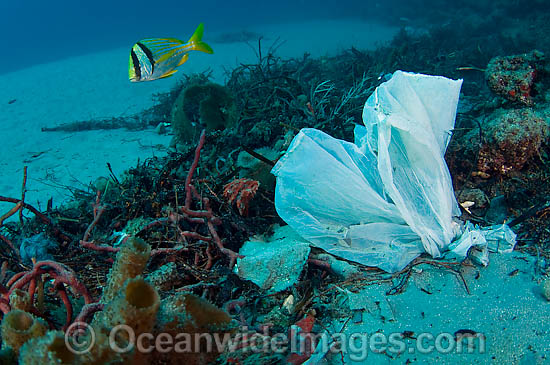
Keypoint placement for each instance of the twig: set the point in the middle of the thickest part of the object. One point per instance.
(470, 68)
(23, 191)
(529, 213)
(11, 212)
(56, 231)
(192, 169)
(10, 243)
(474, 164)
(113, 176)
(459, 274)
(87, 310)
(258, 156)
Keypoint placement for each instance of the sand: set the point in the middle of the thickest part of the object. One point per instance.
(501, 303)
(96, 85)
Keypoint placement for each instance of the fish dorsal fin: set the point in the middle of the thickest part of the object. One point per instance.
(162, 48)
(183, 59)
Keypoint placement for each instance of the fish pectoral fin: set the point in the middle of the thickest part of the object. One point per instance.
(183, 60)
(168, 74)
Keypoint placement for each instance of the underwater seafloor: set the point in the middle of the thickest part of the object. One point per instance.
(154, 247)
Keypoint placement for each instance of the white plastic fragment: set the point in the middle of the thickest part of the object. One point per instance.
(471, 236)
(500, 238)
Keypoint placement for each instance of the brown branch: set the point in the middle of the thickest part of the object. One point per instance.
(193, 168)
(87, 310)
(56, 231)
(93, 246)
(10, 243)
(11, 212)
(23, 192)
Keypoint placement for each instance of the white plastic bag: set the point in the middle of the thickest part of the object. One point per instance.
(409, 120)
(388, 197)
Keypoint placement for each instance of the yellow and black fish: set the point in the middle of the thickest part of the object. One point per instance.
(156, 58)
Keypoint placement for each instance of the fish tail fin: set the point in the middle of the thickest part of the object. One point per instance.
(203, 47)
(196, 41)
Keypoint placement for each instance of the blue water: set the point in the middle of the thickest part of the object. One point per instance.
(38, 31)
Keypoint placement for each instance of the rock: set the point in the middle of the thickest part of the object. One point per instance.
(498, 210)
(39, 247)
(477, 196)
(513, 137)
(339, 267)
(251, 167)
(513, 77)
(275, 263)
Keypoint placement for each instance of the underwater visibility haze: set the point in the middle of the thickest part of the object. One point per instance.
(37, 31)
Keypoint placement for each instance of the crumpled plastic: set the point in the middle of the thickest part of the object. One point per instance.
(388, 197)
(39, 247)
(497, 239)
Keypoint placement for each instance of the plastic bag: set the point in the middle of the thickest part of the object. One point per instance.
(388, 197)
